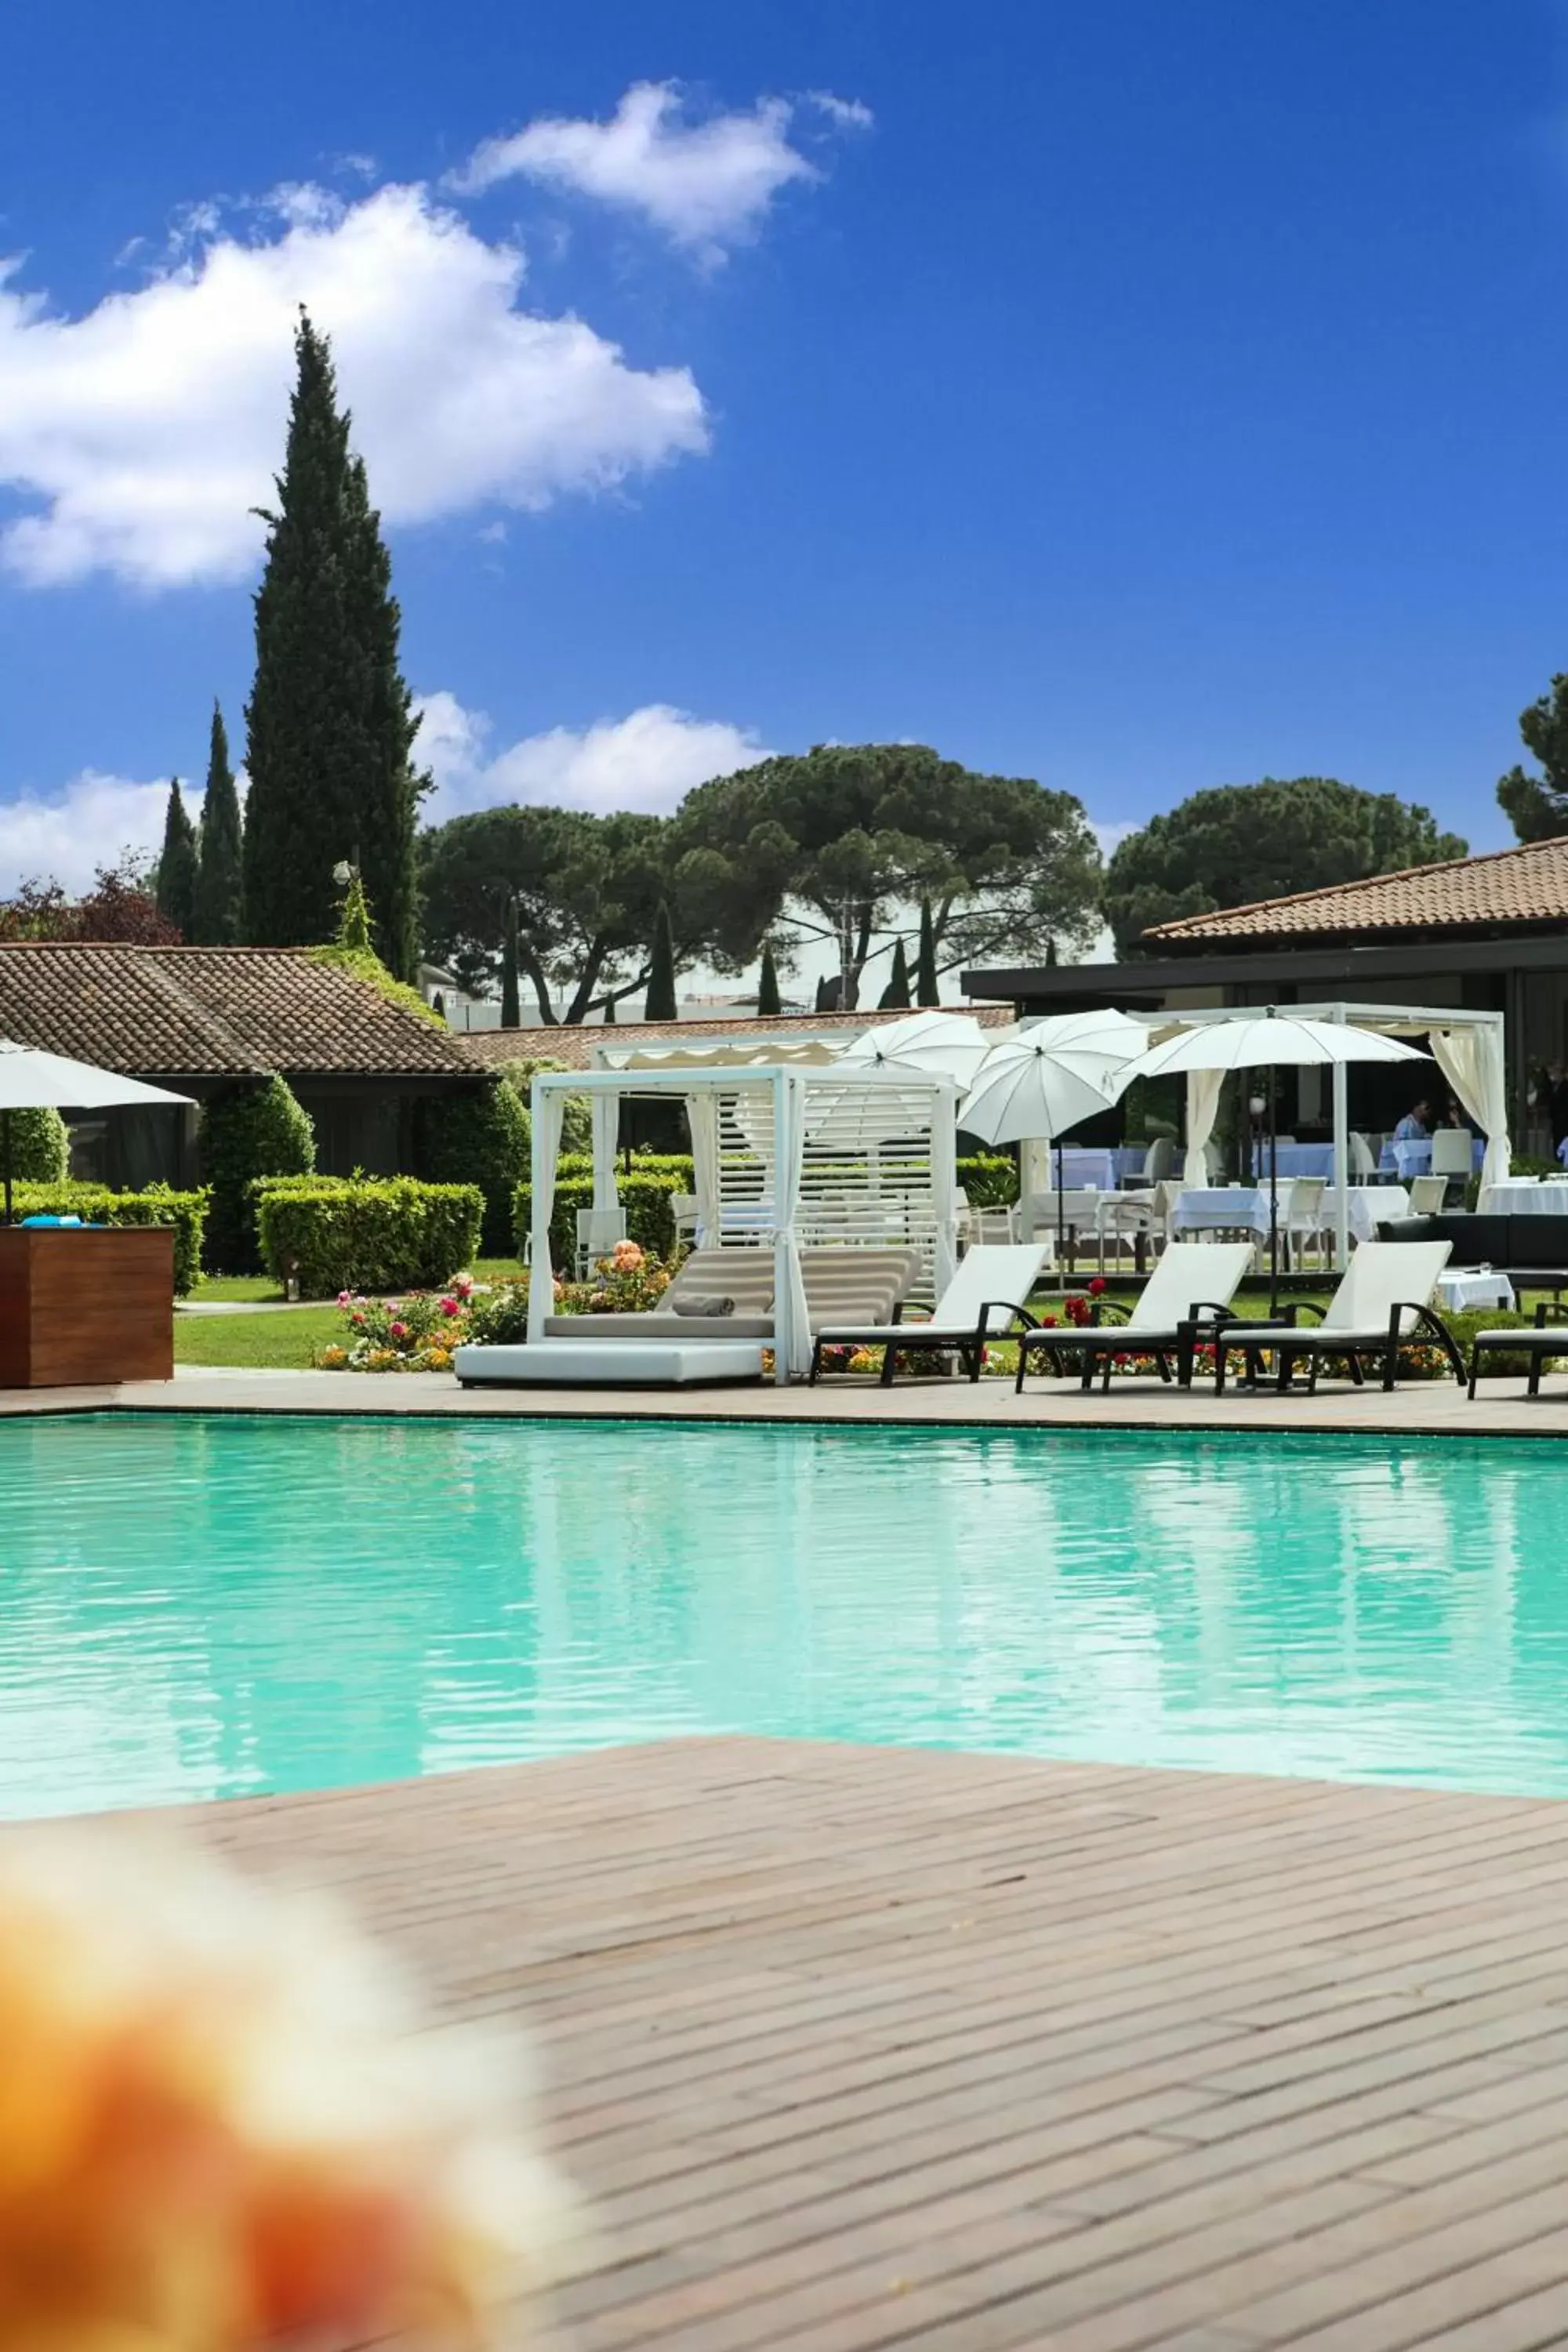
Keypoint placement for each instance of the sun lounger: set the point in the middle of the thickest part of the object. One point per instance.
(1546, 1339)
(1382, 1302)
(1189, 1291)
(983, 1299)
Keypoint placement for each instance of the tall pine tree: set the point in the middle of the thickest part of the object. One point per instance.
(928, 989)
(510, 1002)
(659, 1003)
(895, 997)
(177, 865)
(329, 724)
(219, 908)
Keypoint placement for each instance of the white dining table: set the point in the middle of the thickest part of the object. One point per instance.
(1245, 1209)
(1525, 1196)
(1475, 1287)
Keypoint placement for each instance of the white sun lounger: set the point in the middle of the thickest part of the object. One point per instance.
(1383, 1301)
(985, 1296)
(1191, 1288)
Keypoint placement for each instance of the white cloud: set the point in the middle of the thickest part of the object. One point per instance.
(848, 113)
(144, 431)
(1112, 834)
(705, 184)
(648, 761)
(66, 837)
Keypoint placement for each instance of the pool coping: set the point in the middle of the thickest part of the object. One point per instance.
(1426, 1409)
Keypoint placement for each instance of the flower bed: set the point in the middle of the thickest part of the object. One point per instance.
(421, 1331)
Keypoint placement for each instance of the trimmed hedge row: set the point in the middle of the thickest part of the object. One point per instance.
(990, 1179)
(377, 1234)
(249, 1131)
(95, 1205)
(480, 1137)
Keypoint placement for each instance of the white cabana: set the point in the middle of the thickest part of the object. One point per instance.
(1467, 1047)
(787, 1156)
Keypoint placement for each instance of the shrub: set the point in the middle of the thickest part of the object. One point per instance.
(577, 1124)
(990, 1179)
(251, 1130)
(479, 1136)
(334, 1234)
(186, 1211)
(40, 1148)
(645, 1196)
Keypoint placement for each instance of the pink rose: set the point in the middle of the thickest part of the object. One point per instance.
(397, 1330)
(450, 1306)
(344, 1298)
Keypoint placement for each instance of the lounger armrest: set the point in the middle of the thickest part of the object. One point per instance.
(898, 1314)
(1427, 1319)
(1211, 1313)
(1550, 1310)
(1030, 1322)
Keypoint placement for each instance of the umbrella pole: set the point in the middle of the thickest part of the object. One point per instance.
(5, 1156)
(1061, 1220)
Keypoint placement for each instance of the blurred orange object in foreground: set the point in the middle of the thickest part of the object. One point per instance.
(220, 2125)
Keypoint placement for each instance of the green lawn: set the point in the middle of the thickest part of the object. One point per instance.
(250, 1286)
(287, 1341)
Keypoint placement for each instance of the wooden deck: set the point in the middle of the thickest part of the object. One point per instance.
(854, 2048)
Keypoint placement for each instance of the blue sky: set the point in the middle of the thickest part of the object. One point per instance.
(1141, 398)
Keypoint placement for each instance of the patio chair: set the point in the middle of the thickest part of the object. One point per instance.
(1304, 1219)
(1361, 1157)
(1383, 1300)
(598, 1231)
(1427, 1194)
(1541, 1343)
(984, 1297)
(684, 1218)
(1191, 1287)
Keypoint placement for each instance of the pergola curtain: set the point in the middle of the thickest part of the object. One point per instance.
(604, 1113)
(1472, 1061)
(794, 1345)
(1203, 1109)
(702, 1120)
(549, 1111)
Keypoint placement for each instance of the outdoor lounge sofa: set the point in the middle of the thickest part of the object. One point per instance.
(670, 1345)
(1189, 1291)
(1383, 1300)
(1547, 1338)
(1532, 1252)
(983, 1299)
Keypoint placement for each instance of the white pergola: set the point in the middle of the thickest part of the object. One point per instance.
(1467, 1047)
(787, 1154)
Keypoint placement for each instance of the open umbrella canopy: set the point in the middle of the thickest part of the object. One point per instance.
(31, 1080)
(1026, 1089)
(929, 1044)
(1264, 1039)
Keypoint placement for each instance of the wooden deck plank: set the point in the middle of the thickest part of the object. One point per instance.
(854, 2049)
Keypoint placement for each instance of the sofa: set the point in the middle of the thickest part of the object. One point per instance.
(1532, 1249)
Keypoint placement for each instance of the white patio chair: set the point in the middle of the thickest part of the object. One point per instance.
(1452, 1154)
(993, 1228)
(1362, 1159)
(987, 1294)
(1427, 1194)
(1305, 1221)
(1192, 1286)
(1384, 1300)
(598, 1231)
(683, 1216)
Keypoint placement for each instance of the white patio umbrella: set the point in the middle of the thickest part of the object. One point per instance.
(32, 1080)
(929, 1044)
(1036, 1081)
(1267, 1039)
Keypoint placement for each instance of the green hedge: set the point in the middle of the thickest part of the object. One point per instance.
(95, 1205)
(480, 1137)
(40, 1148)
(249, 1131)
(379, 1234)
(645, 1195)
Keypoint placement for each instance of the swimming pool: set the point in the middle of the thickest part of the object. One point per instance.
(195, 1607)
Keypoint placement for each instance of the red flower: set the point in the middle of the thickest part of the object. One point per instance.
(1097, 1287)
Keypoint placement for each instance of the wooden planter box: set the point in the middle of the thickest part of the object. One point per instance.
(83, 1306)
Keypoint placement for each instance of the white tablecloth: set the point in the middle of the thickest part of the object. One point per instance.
(1459, 1290)
(1084, 1164)
(1523, 1196)
(1415, 1159)
(1301, 1160)
(1221, 1208)
(1370, 1205)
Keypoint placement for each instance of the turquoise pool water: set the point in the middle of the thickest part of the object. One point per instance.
(201, 1608)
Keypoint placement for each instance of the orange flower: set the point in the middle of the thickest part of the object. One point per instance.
(218, 2129)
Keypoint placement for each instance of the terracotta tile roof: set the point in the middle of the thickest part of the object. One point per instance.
(574, 1047)
(1508, 887)
(217, 1012)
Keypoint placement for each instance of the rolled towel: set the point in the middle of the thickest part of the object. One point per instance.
(703, 1303)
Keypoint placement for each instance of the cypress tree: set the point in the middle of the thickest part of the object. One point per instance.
(219, 884)
(659, 1002)
(511, 999)
(330, 725)
(768, 998)
(896, 997)
(177, 865)
(927, 990)
(609, 1013)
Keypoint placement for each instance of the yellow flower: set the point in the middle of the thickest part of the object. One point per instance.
(332, 1360)
(218, 2127)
